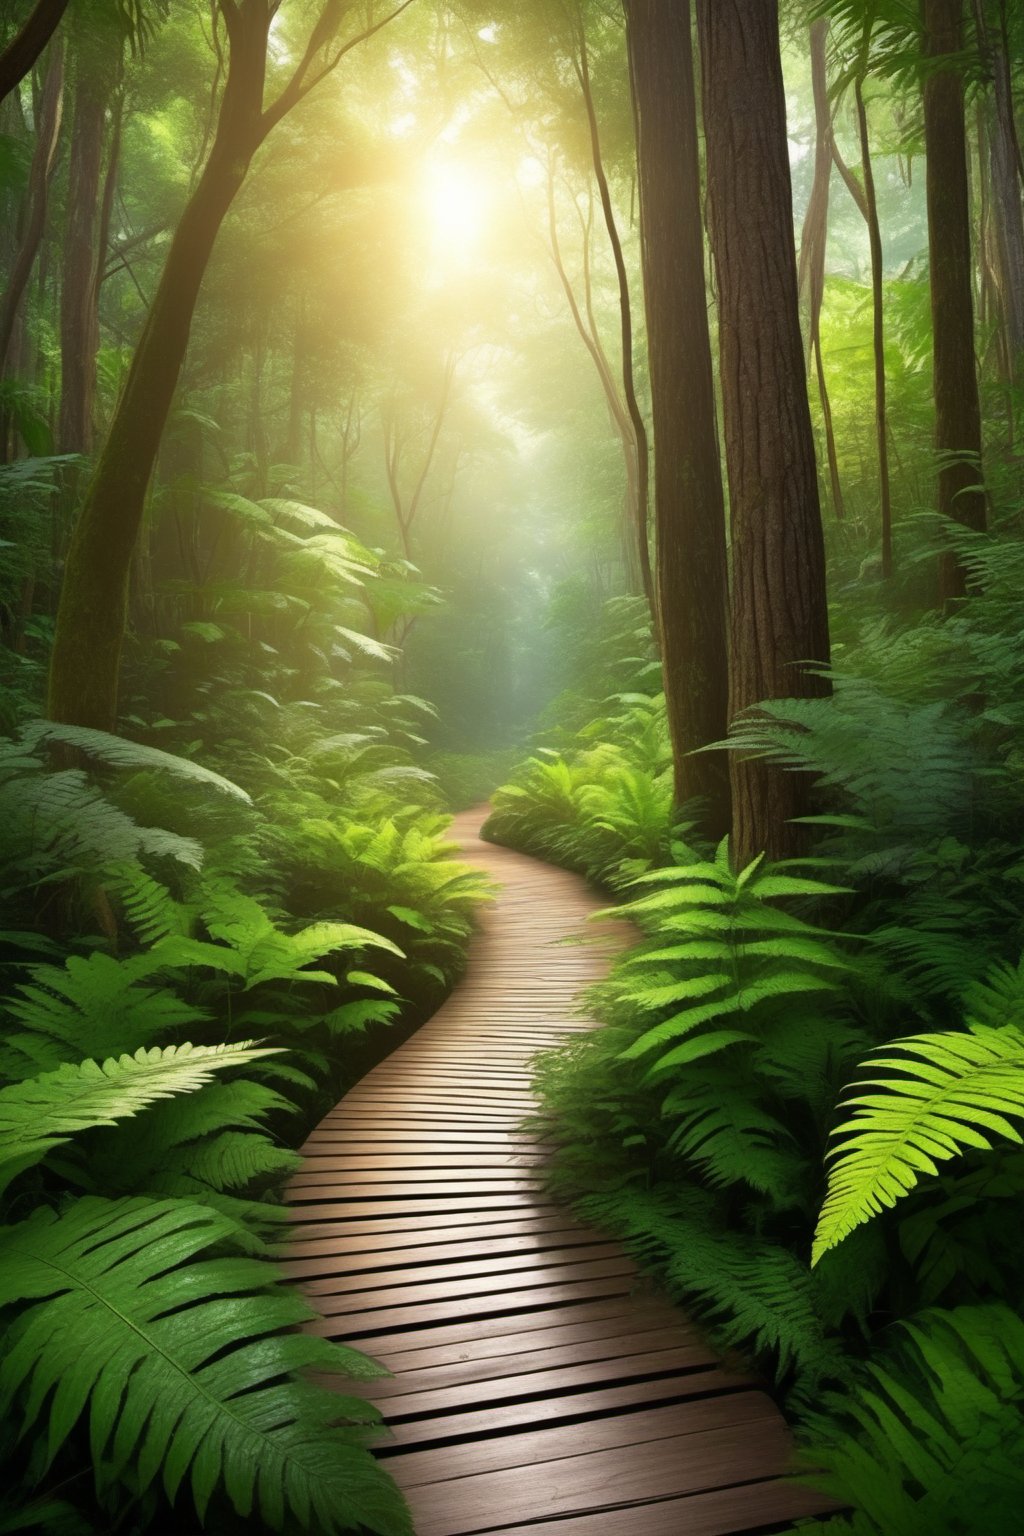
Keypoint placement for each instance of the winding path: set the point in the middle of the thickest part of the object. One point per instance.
(539, 1386)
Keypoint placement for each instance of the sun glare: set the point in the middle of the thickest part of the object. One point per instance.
(457, 203)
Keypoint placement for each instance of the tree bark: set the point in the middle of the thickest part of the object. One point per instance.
(79, 321)
(814, 241)
(877, 329)
(689, 504)
(44, 158)
(955, 381)
(779, 625)
(1006, 209)
(22, 51)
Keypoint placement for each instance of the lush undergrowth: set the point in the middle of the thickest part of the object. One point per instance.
(804, 1108)
(211, 926)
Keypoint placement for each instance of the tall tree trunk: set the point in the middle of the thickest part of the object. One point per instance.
(1006, 209)
(814, 242)
(878, 330)
(957, 409)
(779, 611)
(689, 508)
(79, 323)
(92, 613)
(24, 49)
(44, 158)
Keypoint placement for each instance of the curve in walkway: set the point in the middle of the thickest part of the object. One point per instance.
(539, 1385)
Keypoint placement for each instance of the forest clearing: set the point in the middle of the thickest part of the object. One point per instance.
(512, 767)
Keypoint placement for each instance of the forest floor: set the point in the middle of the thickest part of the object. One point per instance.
(537, 1382)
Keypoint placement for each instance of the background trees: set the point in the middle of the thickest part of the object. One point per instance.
(325, 438)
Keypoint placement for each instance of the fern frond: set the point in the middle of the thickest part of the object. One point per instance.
(121, 753)
(42, 1112)
(95, 1004)
(955, 1091)
(184, 1366)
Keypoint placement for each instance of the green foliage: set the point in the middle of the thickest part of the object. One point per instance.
(42, 1112)
(183, 1365)
(941, 1094)
(929, 1438)
(298, 889)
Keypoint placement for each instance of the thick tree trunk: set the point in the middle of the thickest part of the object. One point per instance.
(814, 241)
(878, 331)
(779, 628)
(44, 158)
(22, 51)
(91, 616)
(957, 408)
(689, 508)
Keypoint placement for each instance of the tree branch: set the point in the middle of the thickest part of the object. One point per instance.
(24, 49)
(298, 87)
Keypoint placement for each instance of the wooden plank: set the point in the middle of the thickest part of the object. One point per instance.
(615, 1330)
(359, 1236)
(576, 1407)
(395, 1218)
(340, 1209)
(388, 1162)
(416, 1468)
(418, 1400)
(364, 1253)
(503, 1330)
(475, 1288)
(614, 1355)
(592, 1482)
(753, 1507)
(464, 1266)
(340, 1326)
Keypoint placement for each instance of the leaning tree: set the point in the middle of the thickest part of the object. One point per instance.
(93, 605)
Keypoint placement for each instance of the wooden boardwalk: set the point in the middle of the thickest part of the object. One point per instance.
(538, 1386)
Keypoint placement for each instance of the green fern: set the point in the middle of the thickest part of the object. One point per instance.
(184, 1366)
(97, 1005)
(42, 1112)
(61, 823)
(955, 1091)
(928, 1439)
(751, 1293)
(732, 954)
(120, 753)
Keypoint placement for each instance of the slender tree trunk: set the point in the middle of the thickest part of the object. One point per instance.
(1006, 209)
(23, 50)
(689, 508)
(958, 438)
(79, 326)
(814, 242)
(779, 628)
(44, 158)
(878, 330)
